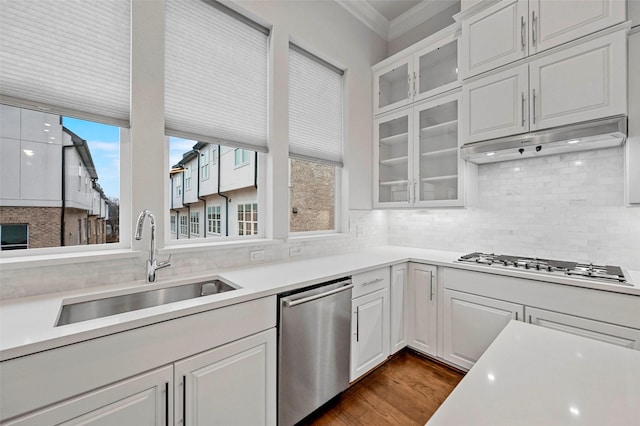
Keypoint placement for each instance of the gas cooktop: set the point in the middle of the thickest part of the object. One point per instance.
(603, 273)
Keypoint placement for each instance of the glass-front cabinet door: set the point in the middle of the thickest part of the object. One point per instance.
(392, 165)
(438, 176)
(392, 86)
(436, 68)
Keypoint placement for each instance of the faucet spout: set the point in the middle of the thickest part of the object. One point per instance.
(152, 264)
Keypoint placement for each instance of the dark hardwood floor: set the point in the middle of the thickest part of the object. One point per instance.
(405, 391)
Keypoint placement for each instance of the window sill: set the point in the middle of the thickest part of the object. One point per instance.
(207, 246)
(12, 263)
(317, 236)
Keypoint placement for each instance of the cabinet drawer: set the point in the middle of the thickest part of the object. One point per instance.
(371, 281)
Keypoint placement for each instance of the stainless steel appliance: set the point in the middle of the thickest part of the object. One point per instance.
(602, 273)
(313, 348)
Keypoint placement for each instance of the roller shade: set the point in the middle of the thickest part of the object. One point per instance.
(315, 108)
(216, 75)
(67, 57)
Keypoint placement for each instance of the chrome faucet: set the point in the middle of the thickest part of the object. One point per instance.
(152, 264)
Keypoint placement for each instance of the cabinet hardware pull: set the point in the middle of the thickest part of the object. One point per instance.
(166, 403)
(357, 324)
(530, 320)
(377, 280)
(522, 32)
(414, 84)
(534, 24)
(184, 400)
(533, 105)
(409, 86)
(408, 192)
(516, 316)
(430, 285)
(291, 303)
(523, 107)
(415, 191)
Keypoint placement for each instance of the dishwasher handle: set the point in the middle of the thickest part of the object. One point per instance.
(291, 303)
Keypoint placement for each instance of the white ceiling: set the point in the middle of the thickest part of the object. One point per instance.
(392, 18)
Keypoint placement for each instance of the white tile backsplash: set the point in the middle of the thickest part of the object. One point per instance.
(567, 206)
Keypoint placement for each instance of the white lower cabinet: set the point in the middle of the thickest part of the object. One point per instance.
(471, 323)
(597, 330)
(369, 321)
(142, 401)
(422, 308)
(398, 307)
(230, 385)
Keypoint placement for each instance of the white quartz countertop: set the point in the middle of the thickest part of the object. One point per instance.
(27, 324)
(532, 375)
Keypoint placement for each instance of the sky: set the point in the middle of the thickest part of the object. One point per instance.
(104, 144)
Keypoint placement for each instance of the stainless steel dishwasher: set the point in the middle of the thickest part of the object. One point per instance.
(313, 348)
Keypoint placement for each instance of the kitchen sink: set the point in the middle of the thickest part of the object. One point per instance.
(98, 308)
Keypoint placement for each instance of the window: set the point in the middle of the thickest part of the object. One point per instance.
(213, 220)
(179, 190)
(204, 164)
(217, 197)
(187, 178)
(312, 195)
(14, 236)
(248, 219)
(241, 157)
(184, 226)
(60, 161)
(173, 224)
(315, 141)
(195, 223)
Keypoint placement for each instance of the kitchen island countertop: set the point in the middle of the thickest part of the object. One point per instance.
(533, 375)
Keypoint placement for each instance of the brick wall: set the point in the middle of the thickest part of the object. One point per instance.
(312, 195)
(75, 227)
(44, 223)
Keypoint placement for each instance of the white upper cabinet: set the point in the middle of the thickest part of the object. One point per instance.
(579, 82)
(557, 22)
(493, 37)
(513, 29)
(425, 69)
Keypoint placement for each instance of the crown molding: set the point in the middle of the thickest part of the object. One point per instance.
(417, 15)
(368, 15)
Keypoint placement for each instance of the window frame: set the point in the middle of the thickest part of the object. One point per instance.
(243, 162)
(194, 223)
(184, 226)
(214, 219)
(249, 222)
(16, 247)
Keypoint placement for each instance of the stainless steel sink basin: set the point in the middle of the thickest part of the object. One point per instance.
(82, 311)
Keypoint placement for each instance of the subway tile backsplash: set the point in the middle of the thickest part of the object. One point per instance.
(568, 206)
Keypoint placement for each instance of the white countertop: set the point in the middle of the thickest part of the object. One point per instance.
(532, 375)
(27, 324)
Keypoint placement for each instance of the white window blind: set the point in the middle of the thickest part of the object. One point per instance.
(315, 108)
(216, 65)
(68, 57)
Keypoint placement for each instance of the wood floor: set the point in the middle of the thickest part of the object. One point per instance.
(405, 391)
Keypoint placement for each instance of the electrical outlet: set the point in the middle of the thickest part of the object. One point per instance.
(295, 251)
(359, 231)
(256, 255)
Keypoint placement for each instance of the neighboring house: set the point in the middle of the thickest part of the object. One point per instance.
(49, 196)
(214, 193)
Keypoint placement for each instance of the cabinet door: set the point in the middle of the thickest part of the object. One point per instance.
(370, 338)
(437, 166)
(584, 82)
(393, 86)
(494, 37)
(556, 22)
(597, 330)
(234, 384)
(423, 290)
(632, 147)
(393, 142)
(142, 400)
(436, 68)
(398, 307)
(471, 323)
(496, 106)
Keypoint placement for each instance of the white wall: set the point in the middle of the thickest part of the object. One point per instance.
(566, 207)
(232, 177)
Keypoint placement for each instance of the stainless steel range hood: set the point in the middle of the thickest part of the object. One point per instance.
(584, 136)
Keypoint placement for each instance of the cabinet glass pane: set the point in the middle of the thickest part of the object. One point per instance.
(394, 86)
(439, 67)
(394, 160)
(438, 171)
